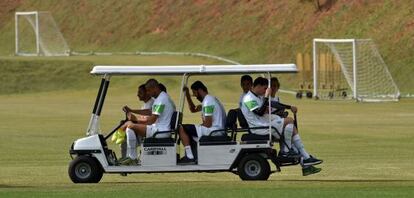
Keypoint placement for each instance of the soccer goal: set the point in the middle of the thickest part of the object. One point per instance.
(38, 35)
(351, 68)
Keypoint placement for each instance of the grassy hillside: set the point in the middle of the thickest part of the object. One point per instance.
(39, 74)
(246, 31)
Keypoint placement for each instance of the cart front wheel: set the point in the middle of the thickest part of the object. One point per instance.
(254, 167)
(85, 169)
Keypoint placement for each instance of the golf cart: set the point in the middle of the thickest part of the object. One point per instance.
(240, 151)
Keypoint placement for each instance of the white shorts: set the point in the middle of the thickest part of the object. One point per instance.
(204, 131)
(272, 116)
(276, 122)
(152, 129)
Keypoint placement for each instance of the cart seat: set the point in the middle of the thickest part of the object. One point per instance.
(251, 138)
(222, 139)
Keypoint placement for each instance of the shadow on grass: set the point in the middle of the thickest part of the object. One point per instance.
(285, 180)
(10, 186)
(348, 180)
(152, 182)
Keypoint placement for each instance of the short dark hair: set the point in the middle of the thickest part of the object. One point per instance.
(274, 79)
(198, 85)
(260, 81)
(162, 87)
(151, 83)
(141, 87)
(246, 78)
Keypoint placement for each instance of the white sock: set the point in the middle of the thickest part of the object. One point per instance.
(188, 152)
(295, 149)
(288, 138)
(131, 143)
(299, 145)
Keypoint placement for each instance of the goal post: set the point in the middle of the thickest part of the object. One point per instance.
(36, 34)
(351, 68)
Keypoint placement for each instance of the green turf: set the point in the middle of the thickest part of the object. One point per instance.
(367, 147)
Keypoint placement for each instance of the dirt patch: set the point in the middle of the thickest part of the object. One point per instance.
(7, 10)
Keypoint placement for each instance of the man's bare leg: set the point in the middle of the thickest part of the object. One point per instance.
(186, 142)
(184, 137)
(132, 131)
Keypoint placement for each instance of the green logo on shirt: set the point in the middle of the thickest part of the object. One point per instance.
(208, 109)
(251, 104)
(158, 108)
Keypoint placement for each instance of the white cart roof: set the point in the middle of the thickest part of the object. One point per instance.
(193, 69)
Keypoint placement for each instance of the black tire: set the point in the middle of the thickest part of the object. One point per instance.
(309, 94)
(299, 95)
(85, 169)
(253, 167)
(344, 94)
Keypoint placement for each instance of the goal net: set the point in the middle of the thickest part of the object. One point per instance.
(38, 35)
(351, 68)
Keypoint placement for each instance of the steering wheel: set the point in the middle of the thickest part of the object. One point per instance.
(126, 114)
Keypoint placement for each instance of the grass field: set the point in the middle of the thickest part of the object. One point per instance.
(367, 147)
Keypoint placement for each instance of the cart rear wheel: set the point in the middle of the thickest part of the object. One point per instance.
(85, 169)
(254, 167)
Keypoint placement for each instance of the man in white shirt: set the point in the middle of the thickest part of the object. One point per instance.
(255, 106)
(158, 119)
(148, 101)
(246, 83)
(213, 118)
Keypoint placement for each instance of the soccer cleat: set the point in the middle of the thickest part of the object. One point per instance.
(290, 154)
(120, 160)
(114, 136)
(311, 161)
(186, 161)
(310, 170)
(130, 162)
(121, 137)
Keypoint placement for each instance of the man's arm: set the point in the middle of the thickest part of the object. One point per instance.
(190, 102)
(260, 111)
(208, 121)
(145, 112)
(279, 105)
(147, 120)
(254, 107)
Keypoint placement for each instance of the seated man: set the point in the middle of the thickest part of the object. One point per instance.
(246, 83)
(277, 107)
(213, 117)
(159, 120)
(143, 112)
(255, 106)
